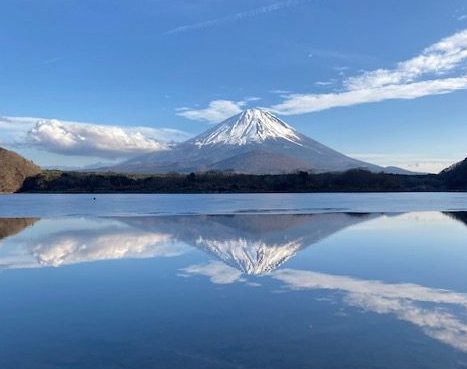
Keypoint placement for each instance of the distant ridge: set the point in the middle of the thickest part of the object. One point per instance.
(252, 142)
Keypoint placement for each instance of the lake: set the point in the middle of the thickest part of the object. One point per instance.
(233, 281)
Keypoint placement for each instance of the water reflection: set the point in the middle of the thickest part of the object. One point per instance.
(216, 271)
(106, 244)
(461, 216)
(253, 244)
(57, 242)
(441, 314)
(12, 226)
(239, 246)
(427, 308)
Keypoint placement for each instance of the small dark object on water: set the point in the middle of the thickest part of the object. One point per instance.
(94, 198)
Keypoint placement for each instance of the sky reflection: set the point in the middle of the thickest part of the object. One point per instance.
(405, 300)
(267, 251)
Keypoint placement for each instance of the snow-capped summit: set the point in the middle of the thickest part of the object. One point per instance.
(250, 126)
(254, 141)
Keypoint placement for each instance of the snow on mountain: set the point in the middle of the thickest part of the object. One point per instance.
(250, 126)
(253, 142)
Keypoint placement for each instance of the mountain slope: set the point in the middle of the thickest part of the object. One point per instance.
(14, 169)
(254, 142)
(455, 176)
(260, 161)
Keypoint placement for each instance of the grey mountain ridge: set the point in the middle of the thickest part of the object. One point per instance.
(252, 142)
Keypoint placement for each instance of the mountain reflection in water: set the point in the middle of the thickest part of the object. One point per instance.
(255, 244)
(239, 247)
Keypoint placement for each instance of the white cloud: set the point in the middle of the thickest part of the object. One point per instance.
(307, 103)
(420, 76)
(217, 111)
(86, 139)
(79, 139)
(217, 272)
(236, 17)
(439, 58)
(424, 307)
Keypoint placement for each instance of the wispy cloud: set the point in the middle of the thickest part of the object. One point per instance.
(86, 139)
(236, 17)
(307, 103)
(438, 59)
(439, 69)
(217, 111)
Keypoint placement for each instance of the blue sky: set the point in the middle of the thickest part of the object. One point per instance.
(384, 81)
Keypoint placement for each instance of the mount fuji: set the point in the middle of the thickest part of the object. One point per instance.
(253, 142)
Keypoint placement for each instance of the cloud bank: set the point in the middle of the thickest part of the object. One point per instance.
(87, 139)
(101, 141)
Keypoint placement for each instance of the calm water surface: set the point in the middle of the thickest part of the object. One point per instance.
(125, 204)
(276, 281)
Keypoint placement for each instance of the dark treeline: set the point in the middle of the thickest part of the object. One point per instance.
(220, 182)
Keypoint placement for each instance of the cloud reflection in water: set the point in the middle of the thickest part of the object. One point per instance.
(433, 310)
